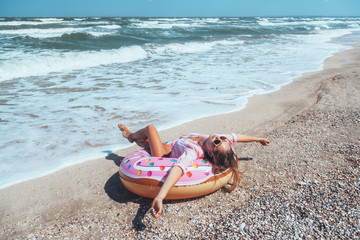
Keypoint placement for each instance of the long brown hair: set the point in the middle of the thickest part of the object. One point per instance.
(224, 160)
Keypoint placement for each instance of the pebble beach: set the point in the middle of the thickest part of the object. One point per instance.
(306, 185)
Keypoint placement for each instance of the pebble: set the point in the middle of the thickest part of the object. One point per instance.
(242, 226)
(314, 181)
(301, 183)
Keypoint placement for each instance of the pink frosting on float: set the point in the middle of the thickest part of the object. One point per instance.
(140, 164)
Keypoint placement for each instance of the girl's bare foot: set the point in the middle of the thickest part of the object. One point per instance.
(125, 132)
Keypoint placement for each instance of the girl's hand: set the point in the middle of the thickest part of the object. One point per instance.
(264, 142)
(157, 207)
(171, 179)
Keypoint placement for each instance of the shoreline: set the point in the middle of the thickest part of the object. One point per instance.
(166, 128)
(78, 190)
(130, 146)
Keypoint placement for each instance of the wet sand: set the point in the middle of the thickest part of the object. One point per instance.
(305, 185)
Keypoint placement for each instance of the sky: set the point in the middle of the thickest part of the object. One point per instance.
(178, 8)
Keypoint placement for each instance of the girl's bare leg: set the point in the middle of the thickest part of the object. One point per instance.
(148, 138)
(129, 136)
(132, 137)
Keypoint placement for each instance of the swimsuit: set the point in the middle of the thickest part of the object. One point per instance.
(187, 150)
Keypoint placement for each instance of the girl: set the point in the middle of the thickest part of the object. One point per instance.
(215, 148)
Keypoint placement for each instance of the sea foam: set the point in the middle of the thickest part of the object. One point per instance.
(32, 65)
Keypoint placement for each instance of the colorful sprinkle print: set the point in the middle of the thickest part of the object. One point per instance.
(145, 166)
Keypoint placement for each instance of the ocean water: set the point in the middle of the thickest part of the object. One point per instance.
(67, 82)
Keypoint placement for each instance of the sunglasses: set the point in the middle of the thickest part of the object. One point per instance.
(218, 142)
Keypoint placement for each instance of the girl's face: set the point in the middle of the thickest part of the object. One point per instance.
(218, 143)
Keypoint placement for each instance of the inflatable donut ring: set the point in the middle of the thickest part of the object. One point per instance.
(144, 175)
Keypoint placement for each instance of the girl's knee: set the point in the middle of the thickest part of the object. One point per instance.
(151, 128)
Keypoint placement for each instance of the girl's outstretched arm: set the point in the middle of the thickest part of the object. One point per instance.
(174, 176)
(244, 138)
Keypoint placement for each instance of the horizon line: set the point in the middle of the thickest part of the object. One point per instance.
(253, 16)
